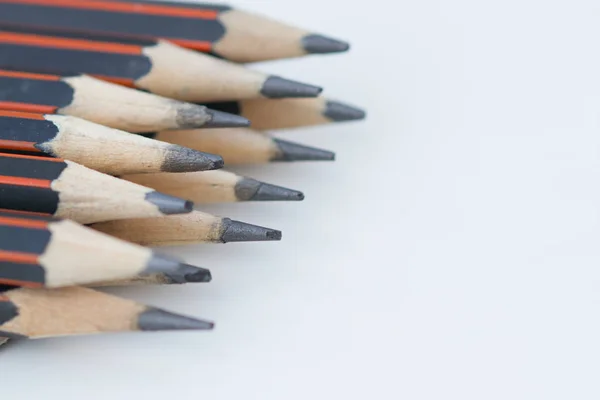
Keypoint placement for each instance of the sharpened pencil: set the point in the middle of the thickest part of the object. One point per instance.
(243, 145)
(290, 113)
(159, 67)
(194, 275)
(38, 251)
(97, 147)
(234, 34)
(196, 227)
(40, 313)
(68, 190)
(104, 103)
(214, 187)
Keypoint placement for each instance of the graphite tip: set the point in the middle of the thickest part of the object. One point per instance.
(154, 319)
(193, 274)
(290, 151)
(220, 119)
(236, 231)
(276, 87)
(319, 44)
(182, 159)
(248, 189)
(176, 271)
(337, 111)
(169, 205)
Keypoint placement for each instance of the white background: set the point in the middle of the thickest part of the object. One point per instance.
(452, 251)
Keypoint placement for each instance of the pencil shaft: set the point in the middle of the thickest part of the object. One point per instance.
(69, 190)
(243, 146)
(97, 101)
(291, 113)
(230, 33)
(196, 227)
(157, 66)
(214, 187)
(39, 313)
(95, 146)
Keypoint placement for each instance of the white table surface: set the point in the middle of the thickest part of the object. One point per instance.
(452, 251)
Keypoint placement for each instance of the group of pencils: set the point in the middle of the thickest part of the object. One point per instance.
(116, 117)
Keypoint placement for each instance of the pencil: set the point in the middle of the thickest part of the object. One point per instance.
(104, 103)
(195, 275)
(234, 34)
(68, 190)
(290, 113)
(214, 187)
(196, 227)
(39, 251)
(159, 67)
(243, 145)
(95, 146)
(40, 313)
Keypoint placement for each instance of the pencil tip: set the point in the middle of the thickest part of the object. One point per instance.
(169, 204)
(236, 231)
(175, 270)
(248, 189)
(276, 87)
(190, 116)
(319, 44)
(290, 151)
(337, 111)
(182, 159)
(220, 119)
(154, 319)
(192, 274)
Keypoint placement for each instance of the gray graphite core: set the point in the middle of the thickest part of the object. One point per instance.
(289, 151)
(183, 159)
(220, 119)
(155, 319)
(338, 112)
(319, 44)
(236, 231)
(169, 205)
(276, 87)
(248, 189)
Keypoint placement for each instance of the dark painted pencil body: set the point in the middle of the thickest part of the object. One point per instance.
(39, 251)
(290, 113)
(159, 67)
(222, 30)
(95, 146)
(68, 190)
(100, 102)
(39, 313)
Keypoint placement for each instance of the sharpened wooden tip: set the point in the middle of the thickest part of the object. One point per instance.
(248, 189)
(190, 116)
(169, 205)
(319, 44)
(290, 151)
(176, 271)
(276, 87)
(183, 159)
(155, 319)
(183, 273)
(220, 119)
(236, 231)
(337, 111)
